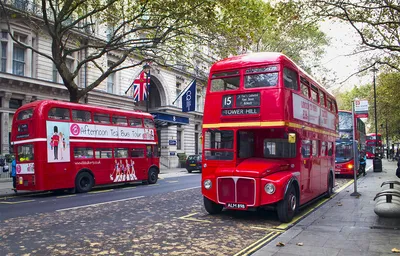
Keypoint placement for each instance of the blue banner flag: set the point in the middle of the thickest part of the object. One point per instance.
(189, 98)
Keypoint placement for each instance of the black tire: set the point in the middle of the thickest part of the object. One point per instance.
(329, 192)
(153, 176)
(211, 207)
(189, 171)
(287, 207)
(84, 182)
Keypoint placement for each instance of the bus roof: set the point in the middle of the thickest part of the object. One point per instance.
(256, 59)
(42, 103)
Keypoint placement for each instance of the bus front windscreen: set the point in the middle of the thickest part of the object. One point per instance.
(218, 145)
(344, 151)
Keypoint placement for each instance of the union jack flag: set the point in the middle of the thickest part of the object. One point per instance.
(140, 84)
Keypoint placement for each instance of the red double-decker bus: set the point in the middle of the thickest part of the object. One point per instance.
(370, 145)
(344, 157)
(62, 145)
(268, 139)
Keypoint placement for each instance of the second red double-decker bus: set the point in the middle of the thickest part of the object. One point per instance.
(269, 131)
(373, 145)
(344, 157)
(61, 145)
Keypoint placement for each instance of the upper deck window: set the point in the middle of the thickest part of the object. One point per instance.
(25, 114)
(120, 120)
(225, 81)
(59, 113)
(322, 98)
(304, 90)
(314, 95)
(329, 104)
(290, 79)
(81, 116)
(135, 122)
(257, 77)
(334, 106)
(101, 118)
(148, 123)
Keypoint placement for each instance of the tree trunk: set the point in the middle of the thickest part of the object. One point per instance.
(74, 96)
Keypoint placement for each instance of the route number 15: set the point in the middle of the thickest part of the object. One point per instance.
(227, 101)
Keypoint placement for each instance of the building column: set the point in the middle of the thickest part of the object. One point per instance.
(27, 99)
(5, 142)
(168, 152)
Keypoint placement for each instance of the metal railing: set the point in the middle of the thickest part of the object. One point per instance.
(5, 176)
(164, 161)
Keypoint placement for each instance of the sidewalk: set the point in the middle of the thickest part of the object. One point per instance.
(345, 225)
(6, 186)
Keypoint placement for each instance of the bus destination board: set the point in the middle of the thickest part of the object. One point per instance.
(240, 111)
(248, 100)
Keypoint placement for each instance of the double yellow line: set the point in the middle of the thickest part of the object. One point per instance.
(257, 244)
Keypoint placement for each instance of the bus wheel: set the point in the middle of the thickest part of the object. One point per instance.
(329, 192)
(84, 182)
(211, 207)
(153, 176)
(288, 206)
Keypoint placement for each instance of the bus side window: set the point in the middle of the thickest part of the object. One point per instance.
(315, 148)
(120, 120)
(137, 152)
(121, 153)
(81, 116)
(290, 79)
(149, 152)
(305, 148)
(101, 118)
(322, 98)
(330, 148)
(148, 123)
(59, 113)
(83, 153)
(323, 148)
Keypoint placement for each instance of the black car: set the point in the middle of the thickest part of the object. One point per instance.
(193, 162)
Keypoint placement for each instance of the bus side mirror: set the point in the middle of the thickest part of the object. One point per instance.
(292, 138)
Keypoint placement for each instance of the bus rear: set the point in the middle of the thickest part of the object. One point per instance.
(25, 137)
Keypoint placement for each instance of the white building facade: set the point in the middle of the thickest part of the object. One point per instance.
(26, 76)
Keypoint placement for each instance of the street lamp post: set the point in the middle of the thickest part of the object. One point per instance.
(146, 69)
(377, 162)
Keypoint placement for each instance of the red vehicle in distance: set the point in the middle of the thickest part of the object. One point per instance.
(344, 156)
(370, 145)
(61, 145)
(269, 139)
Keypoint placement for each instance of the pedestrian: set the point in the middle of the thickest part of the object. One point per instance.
(363, 163)
(14, 173)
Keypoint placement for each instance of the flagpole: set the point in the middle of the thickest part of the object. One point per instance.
(148, 91)
(184, 90)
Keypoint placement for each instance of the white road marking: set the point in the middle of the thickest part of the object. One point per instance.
(94, 205)
(186, 189)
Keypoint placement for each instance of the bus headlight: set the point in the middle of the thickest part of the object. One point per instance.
(207, 184)
(269, 188)
(350, 166)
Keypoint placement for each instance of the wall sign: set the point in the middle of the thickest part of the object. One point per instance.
(172, 142)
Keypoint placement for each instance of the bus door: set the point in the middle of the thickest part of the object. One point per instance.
(305, 165)
(316, 175)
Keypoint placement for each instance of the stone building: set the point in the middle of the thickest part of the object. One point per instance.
(26, 76)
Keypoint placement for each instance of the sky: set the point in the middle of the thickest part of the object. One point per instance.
(344, 41)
